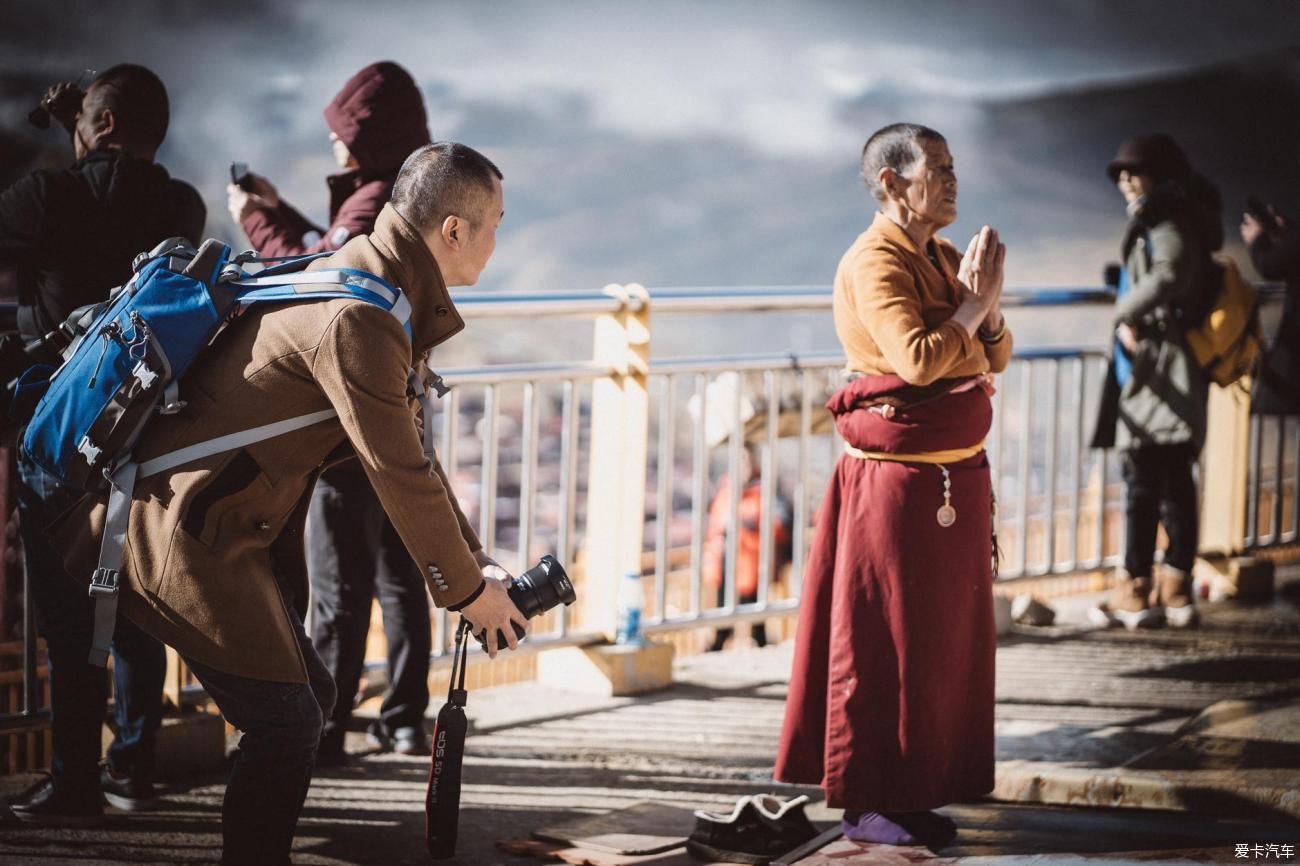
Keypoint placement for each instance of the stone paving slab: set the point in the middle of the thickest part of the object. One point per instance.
(1079, 712)
(1017, 834)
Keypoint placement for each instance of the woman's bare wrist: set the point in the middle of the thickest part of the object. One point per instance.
(970, 313)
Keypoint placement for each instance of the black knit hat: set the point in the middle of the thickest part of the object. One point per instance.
(1156, 154)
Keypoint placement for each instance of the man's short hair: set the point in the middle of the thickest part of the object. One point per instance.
(897, 146)
(443, 179)
(139, 104)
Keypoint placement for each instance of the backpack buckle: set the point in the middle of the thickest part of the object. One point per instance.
(104, 582)
(144, 375)
(88, 450)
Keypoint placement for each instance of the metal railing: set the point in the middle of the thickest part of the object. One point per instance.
(1272, 482)
(517, 442)
(1058, 498)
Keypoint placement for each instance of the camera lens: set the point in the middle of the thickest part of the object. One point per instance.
(542, 587)
(536, 591)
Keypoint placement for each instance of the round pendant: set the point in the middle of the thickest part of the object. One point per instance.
(946, 515)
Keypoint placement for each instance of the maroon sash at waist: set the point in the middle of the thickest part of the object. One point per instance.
(885, 413)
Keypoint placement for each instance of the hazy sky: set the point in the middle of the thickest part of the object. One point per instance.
(665, 142)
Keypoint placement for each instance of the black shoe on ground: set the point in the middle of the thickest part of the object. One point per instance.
(411, 741)
(126, 792)
(406, 740)
(758, 830)
(46, 804)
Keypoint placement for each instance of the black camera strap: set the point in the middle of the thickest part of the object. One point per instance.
(442, 799)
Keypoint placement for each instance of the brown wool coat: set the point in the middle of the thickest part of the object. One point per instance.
(893, 310)
(200, 569)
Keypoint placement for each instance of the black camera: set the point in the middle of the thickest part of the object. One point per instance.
(534, 592)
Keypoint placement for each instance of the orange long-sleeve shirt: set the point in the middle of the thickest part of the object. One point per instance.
(893, 310)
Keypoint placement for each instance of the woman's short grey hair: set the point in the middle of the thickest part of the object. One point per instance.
(897, 146)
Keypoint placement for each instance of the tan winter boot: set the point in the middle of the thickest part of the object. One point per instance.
(1129, 605)
(1174, 593)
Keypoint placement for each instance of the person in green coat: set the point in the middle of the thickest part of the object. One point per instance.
(1154, 401)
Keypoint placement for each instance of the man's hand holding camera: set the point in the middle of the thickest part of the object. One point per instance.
(494, 610)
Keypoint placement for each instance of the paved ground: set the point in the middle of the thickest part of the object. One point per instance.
(1206, 723)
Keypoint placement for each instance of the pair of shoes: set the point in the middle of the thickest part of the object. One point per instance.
(1129, 605)
(129, 793)
(759, 829)
(45, 803)
(407, 740)
(931, 829)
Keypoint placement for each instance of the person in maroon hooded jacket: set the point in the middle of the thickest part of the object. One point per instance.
(354, 552)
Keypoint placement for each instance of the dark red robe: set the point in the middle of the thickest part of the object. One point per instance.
(891, 697)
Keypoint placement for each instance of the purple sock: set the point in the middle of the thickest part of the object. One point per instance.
(875, 827)
(930, 829)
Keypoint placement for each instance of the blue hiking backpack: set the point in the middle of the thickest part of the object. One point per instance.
(127, 365)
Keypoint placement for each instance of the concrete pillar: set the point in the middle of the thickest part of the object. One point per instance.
(1225, 464)
(1223, 571)
(620, 407)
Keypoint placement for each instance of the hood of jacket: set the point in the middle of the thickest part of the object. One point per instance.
(379, 115)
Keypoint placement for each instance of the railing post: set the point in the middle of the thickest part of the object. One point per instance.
(620, 411)
(1225, 463)
(1227, 500)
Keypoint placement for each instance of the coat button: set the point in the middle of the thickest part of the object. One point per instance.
(441, 311)
(264, 524)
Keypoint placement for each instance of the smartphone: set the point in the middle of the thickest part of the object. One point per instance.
(239, 176)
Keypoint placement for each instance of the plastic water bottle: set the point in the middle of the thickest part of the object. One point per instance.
(631, 601)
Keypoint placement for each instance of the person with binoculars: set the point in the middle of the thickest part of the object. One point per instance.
(71, 235)
(212, 545)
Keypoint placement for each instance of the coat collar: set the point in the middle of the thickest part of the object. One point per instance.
(884, 227)
(433, 316)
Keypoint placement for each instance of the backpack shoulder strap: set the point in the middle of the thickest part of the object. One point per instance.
(326, 284)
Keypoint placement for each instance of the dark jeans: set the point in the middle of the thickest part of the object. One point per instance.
(78, 689)
(353, 553)
(281, 725)
(1161, 490)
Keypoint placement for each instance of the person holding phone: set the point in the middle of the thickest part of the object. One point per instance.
(354, 552)
(375, 122)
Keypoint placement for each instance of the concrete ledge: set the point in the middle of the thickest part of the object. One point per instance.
(610, 670)
(1222, 793)
(1240, 577)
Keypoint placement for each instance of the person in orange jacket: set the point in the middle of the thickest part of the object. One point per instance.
(748, 542)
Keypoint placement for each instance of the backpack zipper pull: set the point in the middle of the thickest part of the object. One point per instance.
(109, 332)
